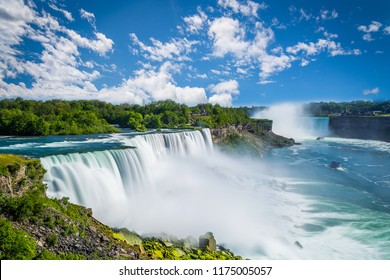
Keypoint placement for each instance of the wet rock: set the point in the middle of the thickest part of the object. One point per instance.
(299, 245)
(335, 164)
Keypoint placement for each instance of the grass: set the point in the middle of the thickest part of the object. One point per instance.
(8, 159)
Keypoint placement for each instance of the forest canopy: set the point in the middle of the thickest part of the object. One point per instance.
(354, 108)
(59, 117)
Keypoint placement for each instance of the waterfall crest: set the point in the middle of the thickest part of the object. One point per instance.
(111, 176)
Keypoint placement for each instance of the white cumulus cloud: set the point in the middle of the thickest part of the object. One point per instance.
(221, 99)
(177, 49)
(230, 87)
(223, 92)
(196, 22)
(90, 17)
(368, 30)
(327, 15)
(228, 37)
(66, 13)
(332, 47)
(149, 85)
(249, 8)
(101, 44)
(371, 91)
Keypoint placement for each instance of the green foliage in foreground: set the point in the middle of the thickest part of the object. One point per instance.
(29, 206)
(15, 244)
(14, 160)
(47, 255)
(157, 249)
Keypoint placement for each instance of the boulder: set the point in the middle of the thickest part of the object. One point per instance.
(335, 164)
(298, 244)
(207, 241)
(190, 242)
(92, 229)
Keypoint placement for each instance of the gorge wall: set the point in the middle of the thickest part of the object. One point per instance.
(372, 128)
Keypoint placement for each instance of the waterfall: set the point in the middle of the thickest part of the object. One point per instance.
(289, 120)
(175, 183)
(110, 177)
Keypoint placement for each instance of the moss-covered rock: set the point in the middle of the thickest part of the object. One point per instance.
(179, 249)
(129, 236)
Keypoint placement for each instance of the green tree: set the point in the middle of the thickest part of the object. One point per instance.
(169, 119)
(136, 121)
(152, 121)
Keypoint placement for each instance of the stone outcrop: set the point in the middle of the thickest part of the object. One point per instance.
(255, 127)
(219, 134)
(254, 138)
(207, 242)
(18, 174)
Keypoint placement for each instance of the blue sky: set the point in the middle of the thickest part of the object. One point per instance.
(230, 52)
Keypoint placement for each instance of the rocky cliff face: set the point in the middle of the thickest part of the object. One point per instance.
(254, 138)
(373, 128)
(18, 174)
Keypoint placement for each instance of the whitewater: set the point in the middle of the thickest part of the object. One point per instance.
(177, 182)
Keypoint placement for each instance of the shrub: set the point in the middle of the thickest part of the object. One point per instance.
(15, 244)
(29, 205)
(49, 221)
(14, 167)
(52, 240)
(47, 255)
(4, 170)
